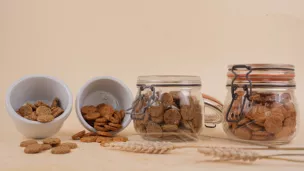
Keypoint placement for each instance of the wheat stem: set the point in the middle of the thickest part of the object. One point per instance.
(284, 159)
(243, 148)
(276, 148)
(223, 153)
(229, 154)
(267, 158)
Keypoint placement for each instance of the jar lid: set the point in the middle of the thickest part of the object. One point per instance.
(169, 80)
(262, 74)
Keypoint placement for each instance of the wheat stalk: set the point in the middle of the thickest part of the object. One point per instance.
(151, 147)
(223, 153)
(142, 147)
(229, 153)
(157, 147)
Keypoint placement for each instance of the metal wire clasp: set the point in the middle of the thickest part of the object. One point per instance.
(233, 117)
(140, 98)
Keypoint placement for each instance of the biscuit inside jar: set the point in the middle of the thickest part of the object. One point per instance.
(266, 117)
(172, 117)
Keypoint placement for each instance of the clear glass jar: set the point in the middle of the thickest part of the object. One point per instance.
(261, 104)
(170, 108)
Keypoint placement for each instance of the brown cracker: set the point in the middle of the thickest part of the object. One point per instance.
(186, 112)
(88, 109)
(111, 128)
(254, 127)
(122, 114)
(27, 143)
(78, 135)
(99, 124)
(45, 147)
(285, 132)
(257, 112)
(32, 116)
(41, 103)
(61, 150)
(290, 107)
(100, 139)
(31, 105)
(154, 130)
(69, 144)
(120, 139)
(43, 110)
(156, 111)
(52, 141)
(277, 112)
(88, 139)
(243, 133)
(273, 124)
(290, 122)
(25, 110)
(104, 142)
(32, 149)
(167, 99)
(114, 119)
(106, 110)
(101, 120)
(115, 125)
(100, 128)
(45, 118)
(90, 134)
(92, 116)
(55, 103)
(172, 116)
(105, 134)
(158, 119)
(243, 121)
(169, 128)
(57, 111)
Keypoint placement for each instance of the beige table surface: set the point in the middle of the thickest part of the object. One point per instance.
(77, 40)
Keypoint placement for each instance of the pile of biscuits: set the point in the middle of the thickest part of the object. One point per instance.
(98, 137)
(172, 116)
(33, 147)
(103, 117)
(268, 116)
(41, 111)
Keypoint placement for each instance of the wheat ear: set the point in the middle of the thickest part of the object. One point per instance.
(229, 154)
(142, 147)
(152, 147)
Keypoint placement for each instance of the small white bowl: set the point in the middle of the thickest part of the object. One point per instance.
(108, 90)
(33, 88)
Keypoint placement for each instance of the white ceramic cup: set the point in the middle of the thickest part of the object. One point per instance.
(108, 90)
(33, 88)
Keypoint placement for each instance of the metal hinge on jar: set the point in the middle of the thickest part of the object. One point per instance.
(140, 98)
(235, 117)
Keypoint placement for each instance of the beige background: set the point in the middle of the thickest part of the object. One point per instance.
(76, 40)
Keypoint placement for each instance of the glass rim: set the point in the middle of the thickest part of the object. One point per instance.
(175, 80)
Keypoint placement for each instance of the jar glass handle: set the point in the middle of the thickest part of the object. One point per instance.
(213, 111)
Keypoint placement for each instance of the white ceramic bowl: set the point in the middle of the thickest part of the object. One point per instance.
(33, 88)
(108, 90)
